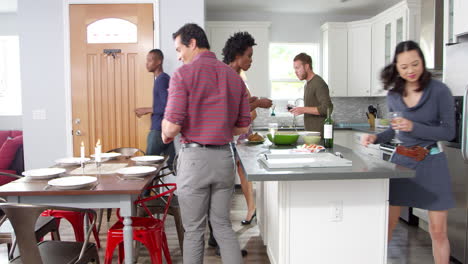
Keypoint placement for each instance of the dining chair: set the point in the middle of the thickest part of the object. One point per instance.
(147, 230)
(128, 152)
(75, 219)
(43, 226)
(157, 206)
(23, 218)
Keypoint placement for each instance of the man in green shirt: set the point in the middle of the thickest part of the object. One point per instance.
(316, 95)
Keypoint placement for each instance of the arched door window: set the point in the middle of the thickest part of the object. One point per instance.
(112, 30)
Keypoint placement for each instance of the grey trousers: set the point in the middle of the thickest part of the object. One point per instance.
(205, 184)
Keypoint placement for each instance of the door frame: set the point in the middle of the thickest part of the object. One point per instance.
(67, 50)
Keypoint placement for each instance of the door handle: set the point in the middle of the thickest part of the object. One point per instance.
(78, 132)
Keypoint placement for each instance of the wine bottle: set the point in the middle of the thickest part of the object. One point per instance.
(328, 131)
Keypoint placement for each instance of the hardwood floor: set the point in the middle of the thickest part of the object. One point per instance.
(410, 245)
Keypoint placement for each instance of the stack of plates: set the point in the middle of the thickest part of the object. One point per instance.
(72, 182)
(41, 174)
(136, 171)
(71, 161)
(147, 160)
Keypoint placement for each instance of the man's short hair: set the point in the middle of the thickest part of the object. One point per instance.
(157, 54)
(237, 45)
(304, 58)
(192, 31)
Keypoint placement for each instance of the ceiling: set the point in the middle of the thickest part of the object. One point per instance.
(8, 6)
(339, 7)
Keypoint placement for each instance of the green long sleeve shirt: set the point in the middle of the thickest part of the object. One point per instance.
(316, 94)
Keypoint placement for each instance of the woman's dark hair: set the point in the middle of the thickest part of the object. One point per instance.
(192, 31)
(390, 77)
(237, 45)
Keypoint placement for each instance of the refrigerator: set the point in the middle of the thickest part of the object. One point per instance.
(456, 78)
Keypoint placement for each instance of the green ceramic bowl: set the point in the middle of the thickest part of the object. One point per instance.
(284, 138)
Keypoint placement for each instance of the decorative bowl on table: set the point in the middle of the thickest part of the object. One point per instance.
(283, 138)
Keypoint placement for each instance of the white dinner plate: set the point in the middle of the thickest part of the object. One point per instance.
(45, 173)
(136, 171)
(108, 155)
(72, 182)
(149, 159)
(71, 161)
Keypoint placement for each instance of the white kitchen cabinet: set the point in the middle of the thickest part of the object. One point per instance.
(460, 17)
(354, 53)
(359, 58)
(398, 23)
(335, 57)
(257, 76)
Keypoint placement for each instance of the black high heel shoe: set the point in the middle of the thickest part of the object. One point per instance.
(247, 222)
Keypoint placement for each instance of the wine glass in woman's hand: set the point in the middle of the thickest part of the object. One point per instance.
(395, 118)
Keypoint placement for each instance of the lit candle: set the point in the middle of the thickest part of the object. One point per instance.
(82, 151)
(97, 151)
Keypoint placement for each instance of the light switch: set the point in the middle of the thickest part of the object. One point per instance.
(39, 114)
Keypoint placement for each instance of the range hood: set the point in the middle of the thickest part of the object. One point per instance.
(432, 34)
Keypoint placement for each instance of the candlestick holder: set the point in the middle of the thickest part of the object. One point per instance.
(98, 166)
(82, 165)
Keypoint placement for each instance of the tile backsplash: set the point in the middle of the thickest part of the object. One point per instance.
(346, 110)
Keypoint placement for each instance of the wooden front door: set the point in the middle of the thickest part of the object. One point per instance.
(110, 80)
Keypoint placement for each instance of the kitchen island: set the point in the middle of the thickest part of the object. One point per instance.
(323, 215)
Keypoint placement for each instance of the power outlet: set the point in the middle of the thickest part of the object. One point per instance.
(336, 211)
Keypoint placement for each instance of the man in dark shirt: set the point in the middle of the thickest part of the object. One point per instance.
(316, 95)
(154, 62)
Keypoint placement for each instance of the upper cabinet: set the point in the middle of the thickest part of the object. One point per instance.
(460, 17)
(257, 76)
(335, 57)
(388, 29)
(369, 46)
(359, 58)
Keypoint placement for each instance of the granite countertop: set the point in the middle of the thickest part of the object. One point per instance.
(364, 167)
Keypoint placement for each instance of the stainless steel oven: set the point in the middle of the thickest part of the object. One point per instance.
(387, 150)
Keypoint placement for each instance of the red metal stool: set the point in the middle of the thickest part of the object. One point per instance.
(147, 230)
(76, 219)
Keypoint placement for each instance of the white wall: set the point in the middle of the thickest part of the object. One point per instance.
(9, 27)
(286, 27)
(44, 73)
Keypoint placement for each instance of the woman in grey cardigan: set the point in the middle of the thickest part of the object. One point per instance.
(427, 109)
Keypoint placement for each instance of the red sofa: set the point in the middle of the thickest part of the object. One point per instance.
(11, 153)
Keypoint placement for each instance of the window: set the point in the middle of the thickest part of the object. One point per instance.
(10, 85)
(112, 30)
(284, 82)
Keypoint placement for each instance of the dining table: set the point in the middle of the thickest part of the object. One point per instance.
(111, 190)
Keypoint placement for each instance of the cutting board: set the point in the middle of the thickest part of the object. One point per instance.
(303, 160)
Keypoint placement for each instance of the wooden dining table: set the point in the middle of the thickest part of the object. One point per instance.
(112, 191)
